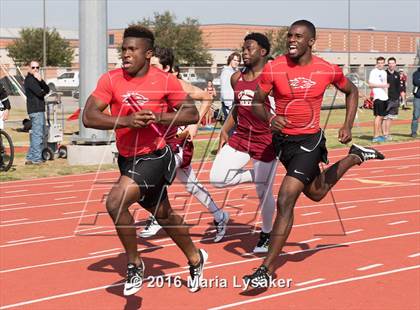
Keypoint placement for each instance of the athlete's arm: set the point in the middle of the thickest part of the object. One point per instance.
(352, 99)
(93, 117)
(186, 114)
(200, 95)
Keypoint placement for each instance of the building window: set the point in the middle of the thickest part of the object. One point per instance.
(111, 39)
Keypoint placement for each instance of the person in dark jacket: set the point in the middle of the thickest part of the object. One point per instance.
(416, 103)
(36, 89)
(4, 114)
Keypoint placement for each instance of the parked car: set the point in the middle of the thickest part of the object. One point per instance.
(66, 82)
(354, 77)
(191, 77)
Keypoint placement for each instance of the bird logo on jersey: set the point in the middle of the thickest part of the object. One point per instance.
(245, 97)
(301, 82)
(137, 99)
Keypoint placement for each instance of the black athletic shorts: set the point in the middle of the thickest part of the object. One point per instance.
(152, 172)
(301, 154)
(380, 107)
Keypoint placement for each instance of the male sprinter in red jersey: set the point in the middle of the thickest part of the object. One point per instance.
(182, 145)
(251, 139)
(140, 96)
(298, 81)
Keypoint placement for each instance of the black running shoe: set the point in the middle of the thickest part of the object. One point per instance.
(259, 279)
(262, 245)
(196, 272)
(365, 153)
(134, 281)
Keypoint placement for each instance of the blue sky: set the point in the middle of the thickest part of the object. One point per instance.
(392, 15)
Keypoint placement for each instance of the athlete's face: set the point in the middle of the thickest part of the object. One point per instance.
(252, 53)
(299, 41)
(136, 54)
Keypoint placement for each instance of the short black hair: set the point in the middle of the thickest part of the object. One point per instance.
(380, 58)
(307, 24)
(138, 31)
(392, 58)
(166, 56)
(261, 39)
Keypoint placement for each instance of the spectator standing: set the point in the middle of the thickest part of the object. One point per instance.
(35, 89)
(416, 103)
(403, 89)
(211, 90)
(393, 78)
(4, 114)
(226, 90)
(378, 83)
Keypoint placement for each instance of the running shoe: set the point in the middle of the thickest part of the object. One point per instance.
(196, 272)
(262, 245)
(221, 227)
(365, 153)
(151, 229)
(259, 279)
(134, 281)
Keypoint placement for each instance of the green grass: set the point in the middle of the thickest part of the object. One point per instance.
(204, 150)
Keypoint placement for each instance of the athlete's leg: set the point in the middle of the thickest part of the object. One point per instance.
(227, 169)
(177, 230)
(289, 192)
(188, 178)
(319, 187)
(123, 194)
(265, 173)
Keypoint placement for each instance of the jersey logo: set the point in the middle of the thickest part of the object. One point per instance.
(140, 100)
(301, 82)
(245, 97)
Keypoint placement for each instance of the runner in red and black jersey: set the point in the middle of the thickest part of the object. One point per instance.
(142, 99)
(250, 140)
(298, 81)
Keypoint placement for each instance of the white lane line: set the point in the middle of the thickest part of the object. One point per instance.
(303, 289)
(87, 229)
(349, 207)
(377, 171)
(214, 266)
(298, 225)
(414, 255)
(64, 198)
(16, 191)
(12, 221)
(104, 251)
(187, 267)
(310, 213)
(72, 212)
(310, 240)
(403, 167)
(309, 282)
(396, 223)
(386, 201)
(415, 180)
(26, 239)
(369, 267)
(13, 204)
(63, 186)
(353, 231)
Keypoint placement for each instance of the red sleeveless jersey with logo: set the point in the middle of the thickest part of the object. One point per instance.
(157, 91)
(251, 135)
(299, 90)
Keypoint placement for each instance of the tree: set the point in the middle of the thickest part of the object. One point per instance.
(277, 39)
(29, 47)
(185, 38)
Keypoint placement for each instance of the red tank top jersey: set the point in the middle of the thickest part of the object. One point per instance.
(157, 91)
(299, 90)
(251, 134)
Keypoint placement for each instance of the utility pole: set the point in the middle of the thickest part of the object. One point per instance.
(44, 39)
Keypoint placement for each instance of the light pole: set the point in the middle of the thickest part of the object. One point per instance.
(44, 40)
(348, 36)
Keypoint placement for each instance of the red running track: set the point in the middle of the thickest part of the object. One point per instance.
(59, 249)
